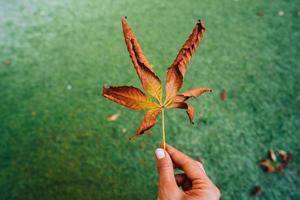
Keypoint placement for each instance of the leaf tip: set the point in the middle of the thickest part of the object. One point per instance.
(201, 24)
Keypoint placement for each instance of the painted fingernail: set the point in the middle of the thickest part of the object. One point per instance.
(159, 153)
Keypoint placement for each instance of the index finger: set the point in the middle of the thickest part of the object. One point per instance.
(192, 169)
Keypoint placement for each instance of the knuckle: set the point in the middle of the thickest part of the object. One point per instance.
(164, 166)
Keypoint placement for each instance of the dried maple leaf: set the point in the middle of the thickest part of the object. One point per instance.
(135, 99)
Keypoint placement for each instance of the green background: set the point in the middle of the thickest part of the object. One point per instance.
(55, 142)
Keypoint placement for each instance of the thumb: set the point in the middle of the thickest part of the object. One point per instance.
(165, 170)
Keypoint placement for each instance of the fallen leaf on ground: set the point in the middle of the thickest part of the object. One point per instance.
(113, 117)
(272, 164)
(285, 156)
(256, 191)
(223, 95)
(260, 13)
(7, 62)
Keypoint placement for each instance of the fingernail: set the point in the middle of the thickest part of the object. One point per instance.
(159, 153)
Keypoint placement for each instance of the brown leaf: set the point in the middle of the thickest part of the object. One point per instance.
(7, 62)
(150, 82)
(256, 191)
(260, 13)
(273, 164)
(177, 70)
(128, 96)
(285, 156)
(33, 113)
(147, 123)
(223, 95)
(113, 117)
(270, 166)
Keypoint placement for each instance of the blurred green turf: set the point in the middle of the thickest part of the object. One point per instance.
(55, 142)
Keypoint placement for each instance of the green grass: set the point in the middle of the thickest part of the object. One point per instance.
(55, 142)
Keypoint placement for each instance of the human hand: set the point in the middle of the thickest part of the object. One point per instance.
(194, 182)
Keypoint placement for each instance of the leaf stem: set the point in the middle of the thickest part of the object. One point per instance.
(163, 128)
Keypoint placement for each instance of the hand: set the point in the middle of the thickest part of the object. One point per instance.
(194, 182)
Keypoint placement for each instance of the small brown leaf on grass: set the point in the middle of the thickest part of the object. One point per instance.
(113, 117)
(223, 95)
(272, 164)
(285, 156)
(7, 62)
(260, 13)
(256, 191)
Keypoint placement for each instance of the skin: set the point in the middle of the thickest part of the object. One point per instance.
(193, 184)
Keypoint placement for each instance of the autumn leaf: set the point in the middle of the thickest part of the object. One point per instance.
(223, 95)
(273, 164)
(135, 99)
(7, 62)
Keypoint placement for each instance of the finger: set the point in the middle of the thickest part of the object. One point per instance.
(200, 164)
(192, 169)
(165, 170)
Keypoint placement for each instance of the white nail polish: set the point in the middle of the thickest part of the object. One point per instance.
(159, 153)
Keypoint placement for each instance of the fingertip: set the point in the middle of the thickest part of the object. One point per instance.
(201, 166)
